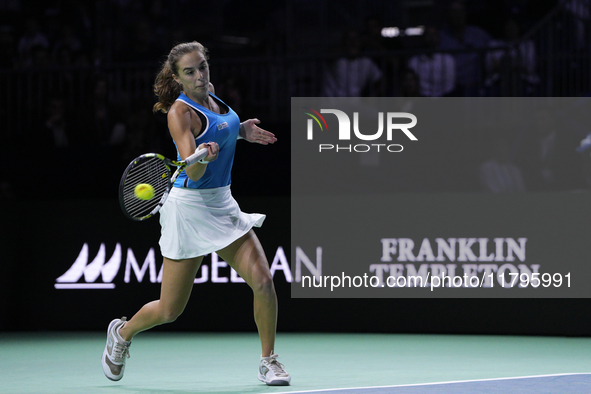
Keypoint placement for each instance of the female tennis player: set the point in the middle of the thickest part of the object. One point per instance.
(200, 215)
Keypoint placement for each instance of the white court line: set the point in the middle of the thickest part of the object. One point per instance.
(435, 383)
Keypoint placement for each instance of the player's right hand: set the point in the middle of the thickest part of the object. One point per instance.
(213, 149)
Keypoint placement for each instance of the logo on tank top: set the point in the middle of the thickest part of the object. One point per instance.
(222, 125)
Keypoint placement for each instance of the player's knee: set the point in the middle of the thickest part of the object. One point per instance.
(264, 284)
(170, 315)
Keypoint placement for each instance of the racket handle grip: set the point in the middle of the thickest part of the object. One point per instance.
(195, 157)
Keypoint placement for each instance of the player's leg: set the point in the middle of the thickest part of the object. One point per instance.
(178, 277)
(177, 282)
(247, 257)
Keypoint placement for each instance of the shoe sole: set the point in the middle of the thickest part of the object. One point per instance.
(106, 369)
(278, 382)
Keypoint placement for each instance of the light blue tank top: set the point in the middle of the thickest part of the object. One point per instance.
(222, 129)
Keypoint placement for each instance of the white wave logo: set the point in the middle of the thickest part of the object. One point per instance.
(91, 271)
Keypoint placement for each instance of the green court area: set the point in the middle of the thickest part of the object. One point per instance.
(182, 363)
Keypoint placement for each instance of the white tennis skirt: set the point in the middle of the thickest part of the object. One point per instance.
(196, 222)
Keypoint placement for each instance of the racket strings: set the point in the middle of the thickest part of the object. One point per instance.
(150, 170)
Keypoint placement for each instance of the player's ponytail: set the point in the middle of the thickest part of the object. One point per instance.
(165, 87)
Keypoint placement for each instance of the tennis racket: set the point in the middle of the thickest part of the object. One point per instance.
(155, 170)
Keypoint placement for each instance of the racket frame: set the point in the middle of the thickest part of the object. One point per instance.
(169, 164)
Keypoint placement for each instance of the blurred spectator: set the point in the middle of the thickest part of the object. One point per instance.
(353, 75)
(142, 134)
(63, 57)
(93, 58)
(143, 46)
(574, 47)
(10, 6)
(34, 38)
(159, 15)
(581, 14)
(457, 35)
(372, 40)
(68, 40)
(499, 174)
(584, 149)
(511, 67)
(7, 45)
(97, 57)
(547, 154)
(40, 57)
(383, 51)
(57, 127)
(410, 83)
(409, 87)
(436, 71)
(9, 34)
(102, 120)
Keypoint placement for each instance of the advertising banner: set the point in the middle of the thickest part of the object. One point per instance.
(382, 206)
(78, 264)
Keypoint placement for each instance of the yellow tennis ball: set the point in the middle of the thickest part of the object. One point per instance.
(144, 191)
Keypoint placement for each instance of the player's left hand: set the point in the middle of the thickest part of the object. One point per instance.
(252, 133)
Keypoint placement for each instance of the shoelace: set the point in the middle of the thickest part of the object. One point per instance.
(276, 366)
(120, 352)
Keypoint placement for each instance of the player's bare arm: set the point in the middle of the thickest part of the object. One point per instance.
(181, 124)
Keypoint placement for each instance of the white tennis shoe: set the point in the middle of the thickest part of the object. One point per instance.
(272, 372)
(116, 351)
